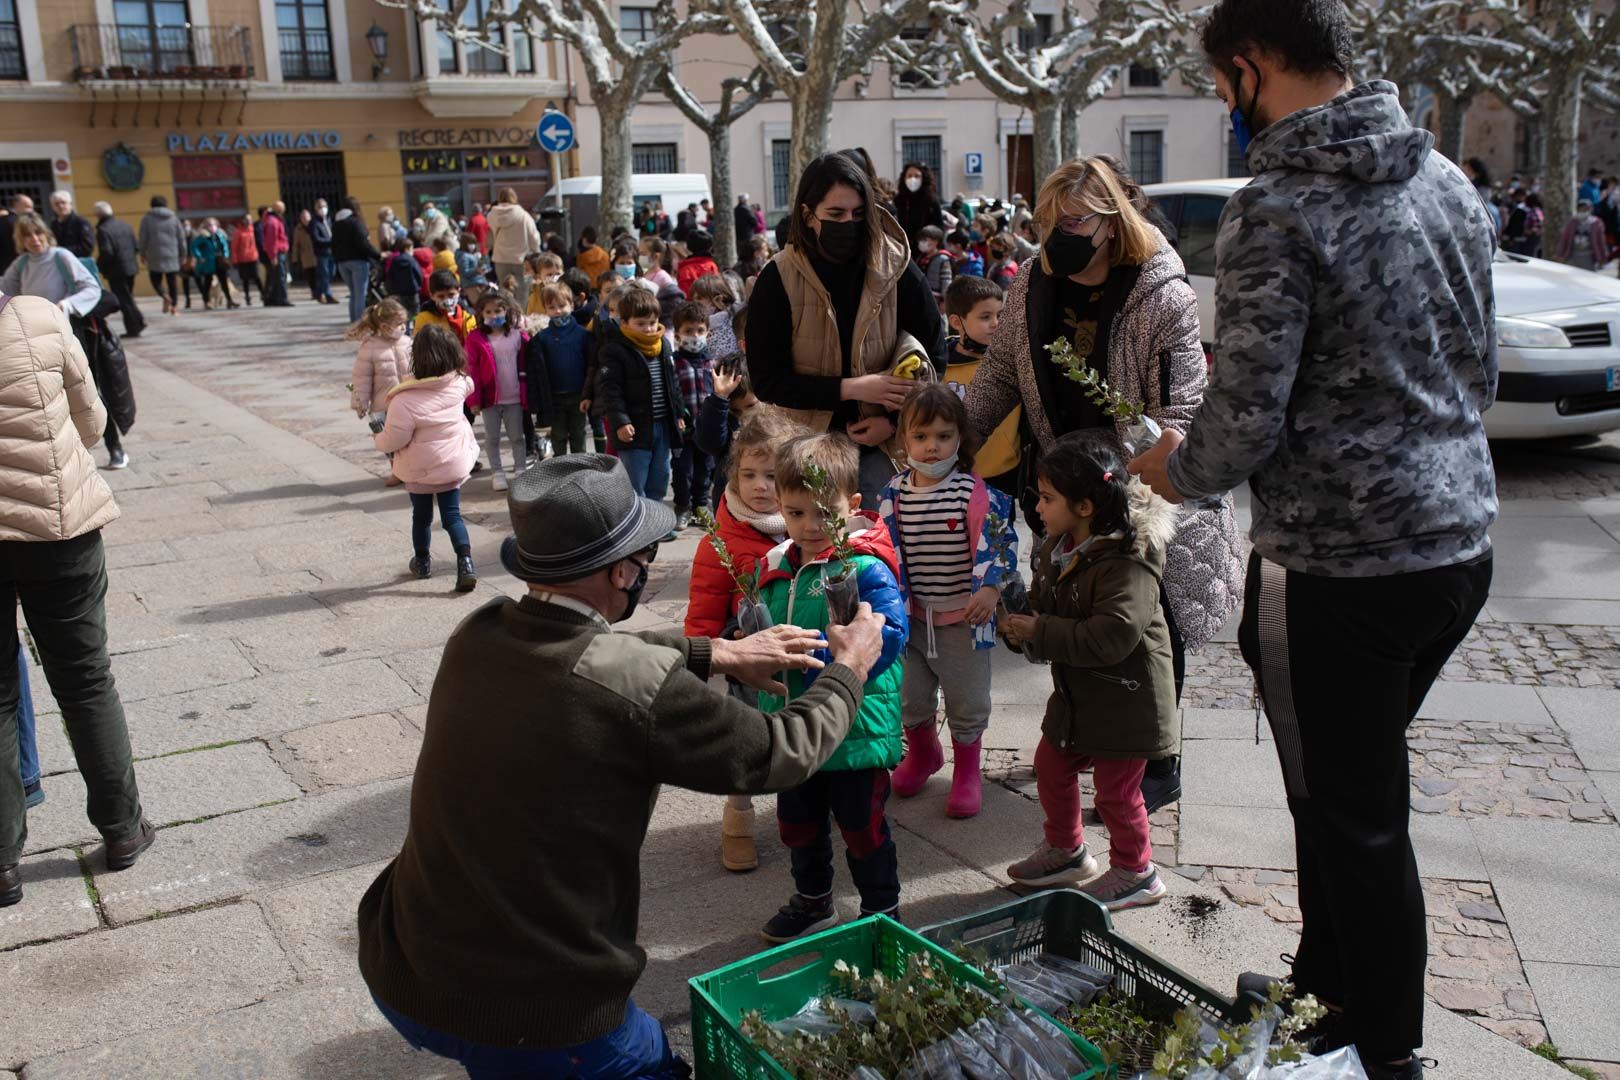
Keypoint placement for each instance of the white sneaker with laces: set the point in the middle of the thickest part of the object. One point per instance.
(499, 482)
(1119, 888)
(1049, 865)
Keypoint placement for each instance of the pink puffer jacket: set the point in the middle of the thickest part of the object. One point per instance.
(432, 443)
(380, 366)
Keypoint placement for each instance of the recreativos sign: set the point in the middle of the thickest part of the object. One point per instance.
(425, 138)
(220, 141)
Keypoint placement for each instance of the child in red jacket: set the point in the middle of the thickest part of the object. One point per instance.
(749, 523)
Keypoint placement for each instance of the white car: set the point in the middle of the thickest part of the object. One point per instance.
(1560, 367)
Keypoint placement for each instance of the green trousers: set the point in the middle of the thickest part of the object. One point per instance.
(62, 586)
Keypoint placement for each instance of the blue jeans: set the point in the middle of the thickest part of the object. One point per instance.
(649, 469)
(27, 749)
(356, 275)
(449, 517)
(325, 271)
(636, 1050)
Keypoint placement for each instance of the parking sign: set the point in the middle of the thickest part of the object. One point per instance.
(973, 164)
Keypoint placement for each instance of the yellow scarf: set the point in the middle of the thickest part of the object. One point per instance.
(648, 344)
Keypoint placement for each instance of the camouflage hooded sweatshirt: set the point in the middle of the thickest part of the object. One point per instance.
(1355, 347)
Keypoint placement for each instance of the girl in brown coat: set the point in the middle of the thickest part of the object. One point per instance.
(1101, 626)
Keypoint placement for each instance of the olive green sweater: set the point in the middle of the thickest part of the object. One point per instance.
(509, 917)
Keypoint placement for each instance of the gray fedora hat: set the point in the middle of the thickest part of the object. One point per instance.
(574, 515)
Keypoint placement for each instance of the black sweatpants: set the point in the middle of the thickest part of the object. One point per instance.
(856, 799)
(1343, 665)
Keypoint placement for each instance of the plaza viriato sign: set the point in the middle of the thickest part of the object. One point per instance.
(219, 141)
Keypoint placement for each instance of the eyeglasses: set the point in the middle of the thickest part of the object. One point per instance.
(1071, 226)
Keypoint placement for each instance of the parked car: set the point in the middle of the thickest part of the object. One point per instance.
(1556, 325)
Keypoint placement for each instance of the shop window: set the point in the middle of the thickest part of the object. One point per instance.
(924, 150)
(455, 179)
(303, 178)
(306, 39)
(636, 25)
(1033, 37)
(654, 158)
(781, 173)
(1147, 156)
(153, 35)
(209, 185)
(1144, 78)
(11, 54)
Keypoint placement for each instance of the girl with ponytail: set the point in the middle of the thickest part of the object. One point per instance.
(1100, 624)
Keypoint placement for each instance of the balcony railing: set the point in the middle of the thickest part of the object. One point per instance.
(306, 54)
(161, 53)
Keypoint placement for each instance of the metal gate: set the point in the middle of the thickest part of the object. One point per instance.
(307, 177)
(35, 179)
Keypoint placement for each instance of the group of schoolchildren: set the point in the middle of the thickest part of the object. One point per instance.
(933, 560)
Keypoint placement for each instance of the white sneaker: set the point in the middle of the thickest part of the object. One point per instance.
(499, 482)
(1049, 865)
(1119, 888)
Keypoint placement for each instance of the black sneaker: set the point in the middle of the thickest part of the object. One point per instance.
(1257, 985)
(422, 566)
(1161, 788)
(33, 795)
(118, 460)
(10, 885)
(799, 917)
(1409, 1070)
(466, 577)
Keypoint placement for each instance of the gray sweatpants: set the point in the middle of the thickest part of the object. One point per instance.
(960, 670)
(512, 416)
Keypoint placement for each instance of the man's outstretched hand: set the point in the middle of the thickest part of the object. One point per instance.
(858, 645)
(756, 660)
(1153, 466)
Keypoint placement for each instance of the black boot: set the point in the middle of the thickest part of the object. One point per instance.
(1161, 783)
(466, 577)
(422, 565)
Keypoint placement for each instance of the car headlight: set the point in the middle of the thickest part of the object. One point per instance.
(1526, 334)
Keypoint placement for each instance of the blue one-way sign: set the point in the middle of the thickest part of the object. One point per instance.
(556, 133)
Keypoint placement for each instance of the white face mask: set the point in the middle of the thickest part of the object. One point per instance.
(936, 470)
(913, 183)
(694, 343)
(393, 332)
(449, 303)
(646, 262)
(927, 247)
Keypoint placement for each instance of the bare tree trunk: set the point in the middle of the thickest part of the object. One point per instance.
(1048, 151)
(812, 128)
(813, 92)
(721, 224)
(1070, 131)
(613, 206)
(1563, 119)
(1453, 111)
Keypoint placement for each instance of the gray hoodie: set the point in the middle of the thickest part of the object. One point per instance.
(1355, 347)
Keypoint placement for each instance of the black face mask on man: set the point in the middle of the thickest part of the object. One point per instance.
(632, 592)
(1070, 254)
(841, 241)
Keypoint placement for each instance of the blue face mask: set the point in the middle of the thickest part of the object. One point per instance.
(497, 322)
(626, 272)
(1242, 134)
(562, 322)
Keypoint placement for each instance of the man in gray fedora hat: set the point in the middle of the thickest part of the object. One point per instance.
(503, 936)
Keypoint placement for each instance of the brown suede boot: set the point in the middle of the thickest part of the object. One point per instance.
(737, 849)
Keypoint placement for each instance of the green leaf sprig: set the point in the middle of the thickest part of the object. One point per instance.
(832, 522)
(746, 583)
(1075, 369)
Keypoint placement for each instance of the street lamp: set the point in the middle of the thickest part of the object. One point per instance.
(377, 38)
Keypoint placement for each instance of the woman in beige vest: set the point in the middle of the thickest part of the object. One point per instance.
(829, 309)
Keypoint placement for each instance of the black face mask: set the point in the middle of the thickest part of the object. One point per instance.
(1069, 254)
(841, 241)
(633, 592)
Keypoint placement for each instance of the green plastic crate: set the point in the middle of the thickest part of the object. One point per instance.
(1072, 924)
(721, 997)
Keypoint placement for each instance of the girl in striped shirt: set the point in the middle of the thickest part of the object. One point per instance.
(957, 544)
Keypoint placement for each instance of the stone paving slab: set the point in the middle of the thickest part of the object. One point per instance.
(210, 591)
(1570, 558)
(1555, 883)
(103, 986)
(315, 922)
(1263, 838)
(329, 1032)
(55, 902)
(1578, 1004)
(139, 530)
(178, 788)
(341, 639)
(1007, 829)
(146, 553)
(178, 668)
(1201, 724)
(1609, 784)
(1232, 772)
(341, 524)
(169, 502)
(1519, 609)
(1458, 701)
(346, 753)
(264, 706)
(293, 615)
(230, 856)
(1591, 719)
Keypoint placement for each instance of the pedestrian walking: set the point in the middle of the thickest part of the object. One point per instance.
(325, 266)
(1359, 426)
(1584, 243)
(353, 251)
(273, 247)
(73, 232)
(52, 564)
(402, 274)
(383, 362)
(245, 258)
(916, 203)
(302, 256)
(163, 246)
(14, 208)
(118, 258)
(210, 256)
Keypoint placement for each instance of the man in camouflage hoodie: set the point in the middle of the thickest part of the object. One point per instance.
(1355, 352)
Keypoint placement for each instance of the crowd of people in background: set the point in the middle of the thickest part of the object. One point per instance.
(1590, 238)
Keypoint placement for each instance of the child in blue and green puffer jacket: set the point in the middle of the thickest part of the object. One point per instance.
(853, 787)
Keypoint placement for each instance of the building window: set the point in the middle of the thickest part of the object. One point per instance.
(209, 185)
(482, 61)
(1144, 78)
(636, 25)
(917, 34)
(654, 158)
(1236, 162)
(444, 43)
(153, 35)
(452, 180)
(1147, 156)
(36, 179)
(781, 173)
(925, 150)
(1033, 37)
(11, 54)
(523, 47)
(1528, 146)
(306, 42)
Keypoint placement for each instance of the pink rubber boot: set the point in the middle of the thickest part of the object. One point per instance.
(967, 793)
(924, 757)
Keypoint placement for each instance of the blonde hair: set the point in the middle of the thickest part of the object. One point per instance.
(29, 224)
(377, 316)
(548, 260)
(762, 433)
(556, 293)
(1091, 186)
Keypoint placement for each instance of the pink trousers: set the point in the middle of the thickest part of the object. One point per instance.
(1119, 801)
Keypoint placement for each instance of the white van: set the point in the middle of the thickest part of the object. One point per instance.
(582, 194)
